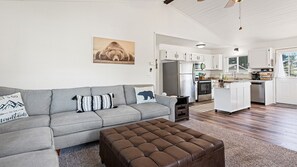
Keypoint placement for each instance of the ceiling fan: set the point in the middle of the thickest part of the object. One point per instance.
(230, 3)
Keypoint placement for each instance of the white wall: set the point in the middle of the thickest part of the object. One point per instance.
(48, 44)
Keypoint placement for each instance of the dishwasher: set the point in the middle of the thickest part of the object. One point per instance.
(258, 92)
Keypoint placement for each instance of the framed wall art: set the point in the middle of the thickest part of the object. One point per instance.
(113, 51)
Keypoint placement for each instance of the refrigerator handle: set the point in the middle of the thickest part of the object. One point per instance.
(193, 73)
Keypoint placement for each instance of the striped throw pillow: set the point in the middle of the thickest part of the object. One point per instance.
(93, 103)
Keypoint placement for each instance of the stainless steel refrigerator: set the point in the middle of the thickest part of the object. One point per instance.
(179, 79)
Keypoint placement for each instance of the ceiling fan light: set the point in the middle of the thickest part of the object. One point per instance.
(201, 45)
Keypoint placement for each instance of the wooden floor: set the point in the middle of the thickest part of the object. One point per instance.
(276, 124)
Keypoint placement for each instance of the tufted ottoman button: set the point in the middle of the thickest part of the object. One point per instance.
(147, 149)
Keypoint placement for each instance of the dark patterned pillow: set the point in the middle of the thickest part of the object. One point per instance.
(93, 103)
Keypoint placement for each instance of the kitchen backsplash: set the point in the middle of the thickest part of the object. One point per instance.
(218, 74)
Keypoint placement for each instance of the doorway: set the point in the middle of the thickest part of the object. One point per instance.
(286, 76)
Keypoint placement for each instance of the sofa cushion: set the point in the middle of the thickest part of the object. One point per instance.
(151, 110)
(44, 158)
(62, 99)
(130, 93)
(118, 91)
(72, 122)
(25, 123)
(25, 141)
(37, 102)
(122, 114)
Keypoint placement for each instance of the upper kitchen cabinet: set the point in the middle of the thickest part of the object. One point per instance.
(208, 61)
(218, 62)
(213, 62)
(197, 57)
(261, 58)
(194, 57)
(172, 55)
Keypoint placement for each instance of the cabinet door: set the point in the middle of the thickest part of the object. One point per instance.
(240, 97)
(208, 61)
(200, 58)
(172, 55)
(180, 56)
(189, 57)
(260, 58)
(218, 62)
(247, 95)
(167, 55)
(163, 55)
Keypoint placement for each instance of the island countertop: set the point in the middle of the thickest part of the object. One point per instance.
(228, 83)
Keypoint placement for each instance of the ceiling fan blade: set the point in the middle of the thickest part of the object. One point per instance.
(230, 4)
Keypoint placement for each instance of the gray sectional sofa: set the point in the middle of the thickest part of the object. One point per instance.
(54, 123)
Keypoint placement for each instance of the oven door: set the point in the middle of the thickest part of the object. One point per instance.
(204, 87)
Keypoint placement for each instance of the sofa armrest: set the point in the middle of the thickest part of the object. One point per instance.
(169, 102)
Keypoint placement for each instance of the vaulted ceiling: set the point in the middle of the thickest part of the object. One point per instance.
(262, 20)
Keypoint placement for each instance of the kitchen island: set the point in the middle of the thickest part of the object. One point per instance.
(234, 96)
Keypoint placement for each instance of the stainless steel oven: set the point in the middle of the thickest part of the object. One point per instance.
(204, 90)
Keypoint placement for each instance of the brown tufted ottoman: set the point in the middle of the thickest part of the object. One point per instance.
(159, 143)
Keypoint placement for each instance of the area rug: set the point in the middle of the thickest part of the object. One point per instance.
(240, 150)
(202, 107)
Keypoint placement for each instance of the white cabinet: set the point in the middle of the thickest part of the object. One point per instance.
(234, 97)
(261, 58)
(208, 61)
(214, 83)
(197, 57)
(213, 62)
(172, 55)
(218, 62)
(194, 57)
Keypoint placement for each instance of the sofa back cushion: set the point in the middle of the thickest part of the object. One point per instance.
(130, 92)
(62, 99)
(37, 102)
(118, 91)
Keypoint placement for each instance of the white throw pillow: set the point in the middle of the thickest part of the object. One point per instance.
(145, 94)
(93, 103)
(12, 108)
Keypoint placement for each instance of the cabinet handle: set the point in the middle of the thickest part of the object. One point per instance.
(176, 55)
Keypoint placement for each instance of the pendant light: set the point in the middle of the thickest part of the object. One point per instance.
(240, 25)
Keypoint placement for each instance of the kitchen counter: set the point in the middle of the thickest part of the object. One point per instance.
(234, 96)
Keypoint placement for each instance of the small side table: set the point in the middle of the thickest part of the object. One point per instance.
(182, 108)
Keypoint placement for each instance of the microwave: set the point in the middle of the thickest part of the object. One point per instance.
(199, 66)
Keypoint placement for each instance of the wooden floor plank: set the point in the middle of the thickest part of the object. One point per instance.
(276, 124)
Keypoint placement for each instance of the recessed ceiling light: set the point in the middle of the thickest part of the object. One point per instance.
(201, 45)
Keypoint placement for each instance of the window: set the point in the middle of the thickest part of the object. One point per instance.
(237, 64)
(290, 63)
